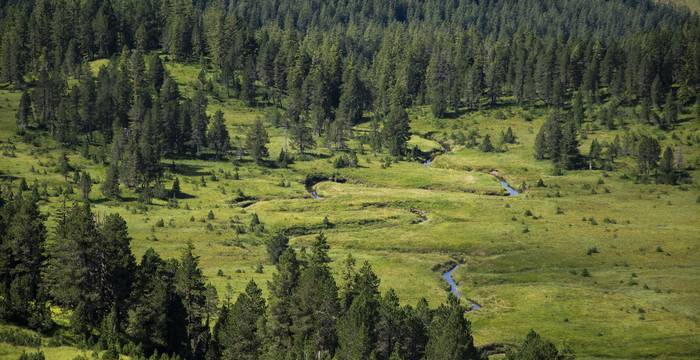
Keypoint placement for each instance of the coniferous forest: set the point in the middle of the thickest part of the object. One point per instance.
(296, 179)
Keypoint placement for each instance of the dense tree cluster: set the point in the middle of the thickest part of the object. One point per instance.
(160, 306)
(331, 63)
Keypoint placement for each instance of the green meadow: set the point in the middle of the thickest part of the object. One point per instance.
(591, 259)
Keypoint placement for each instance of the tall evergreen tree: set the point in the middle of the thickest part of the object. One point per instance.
(218, 135)
(256, 141)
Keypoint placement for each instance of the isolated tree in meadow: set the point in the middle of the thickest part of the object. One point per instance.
(666, 166)
(301, 134)
(256, 141)
(218, 135)
(540, 144)
(175, 189)
(648, 152)
(486, 145)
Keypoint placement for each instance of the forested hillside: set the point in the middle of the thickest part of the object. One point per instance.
(230, 179)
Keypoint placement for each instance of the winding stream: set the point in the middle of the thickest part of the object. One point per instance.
(448, 275)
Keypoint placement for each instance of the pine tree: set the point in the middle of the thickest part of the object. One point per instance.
(594, 153)
(666, 166)
(450, 334)
(282, 288)
(189, 284)
(256, 141)
(156, 319)
(534, 347)
(276, 246)
(540, 144)
(437, 75)
(486, 145)
(390, 326)
(218, 135)
(119, 266)
(648, 152)
(23, 116)
(85, 186)
(396, 131)
(302, 135)
(156, 72)
(577, 105)
(315, 305)
(242, 335)
(22, 245)
(110, 185)
(670, 116)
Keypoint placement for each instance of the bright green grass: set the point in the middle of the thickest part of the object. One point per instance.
(521, 269)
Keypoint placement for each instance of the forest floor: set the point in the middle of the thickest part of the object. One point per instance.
(640, 300)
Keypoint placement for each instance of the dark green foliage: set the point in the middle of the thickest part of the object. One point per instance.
(536, 348)
(218, 135)
(276, 246)
(189, 285)
(22, 244)
(24, 115)
(256, 141)
(486, 145)
(450, 334)
(396, 131)
(648, 152)
(241, 325)
(90, 266)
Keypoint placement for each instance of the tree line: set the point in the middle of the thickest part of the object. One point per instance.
(330, 65)
(160, 308)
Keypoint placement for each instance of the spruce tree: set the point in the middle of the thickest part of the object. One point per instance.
(189, 284)
(23, 117)
(218, 135)
(396, 130)
(648, 152)
(486, 145)
(276, 246)
(282, 288)
(256, 141)
(450, 334)
(110, 185)
(242, 335)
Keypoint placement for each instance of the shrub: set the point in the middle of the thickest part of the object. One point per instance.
(160, 223)
(19, 338)
(259, 268)
(341, 161)
(591, 251)
(585, 273)
(210, 215)
(39, 355)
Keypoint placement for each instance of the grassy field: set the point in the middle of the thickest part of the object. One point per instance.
(640, 300)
